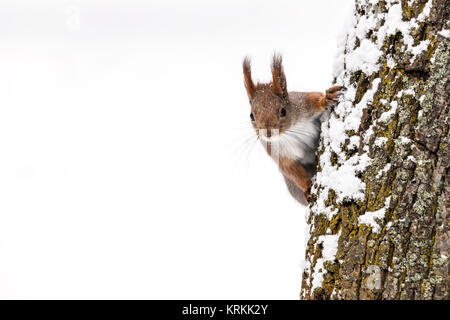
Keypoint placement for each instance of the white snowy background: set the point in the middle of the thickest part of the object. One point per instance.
(123, 172)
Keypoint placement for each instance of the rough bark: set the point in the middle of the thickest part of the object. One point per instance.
(404, 256)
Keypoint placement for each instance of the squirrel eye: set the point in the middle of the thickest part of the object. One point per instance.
(252, 117)
(283, 112)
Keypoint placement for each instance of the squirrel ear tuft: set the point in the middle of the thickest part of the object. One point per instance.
(278, 78)
(249, 85)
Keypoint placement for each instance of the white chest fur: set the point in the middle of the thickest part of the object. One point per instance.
(298, 142)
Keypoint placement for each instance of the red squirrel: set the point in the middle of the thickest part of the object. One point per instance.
(288, 124)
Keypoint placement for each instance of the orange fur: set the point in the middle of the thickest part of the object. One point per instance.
(295, 172)
(249, 85)
(279, 85)
(319, 101)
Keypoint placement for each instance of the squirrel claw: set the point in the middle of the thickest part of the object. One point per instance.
(333, 94)
(307, 196)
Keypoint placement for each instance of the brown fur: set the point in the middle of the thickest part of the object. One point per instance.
(249, 85)
(279, 85)
(264, 103)
(294, 171)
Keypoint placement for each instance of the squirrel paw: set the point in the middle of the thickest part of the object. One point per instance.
(333, 94)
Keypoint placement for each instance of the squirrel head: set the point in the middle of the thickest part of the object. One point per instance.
(269, 101)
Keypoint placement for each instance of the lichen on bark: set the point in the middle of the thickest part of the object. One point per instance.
(404, 133)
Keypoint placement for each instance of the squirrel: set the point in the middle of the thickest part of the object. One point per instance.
(289, 125)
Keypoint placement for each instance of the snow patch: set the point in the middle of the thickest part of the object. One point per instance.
(329, 246)
(384, 170)
(385, 116)
(368, 134)
(364, 58)
(425, 12)
(343, 179)
(390, 62)
(380, 141)
(353, 142)
(369, 217)
(329, 249)
(421, 47)
(403, 92)
(444, 33)
(405, 140)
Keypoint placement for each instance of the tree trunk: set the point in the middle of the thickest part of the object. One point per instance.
(378, 225)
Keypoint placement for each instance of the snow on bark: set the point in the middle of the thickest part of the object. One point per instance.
(376, 219)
